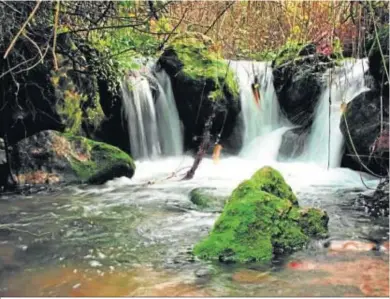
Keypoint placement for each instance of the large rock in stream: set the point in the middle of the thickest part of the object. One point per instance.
(261, 219)
(365, 127)
(51, 157)
(365, 122)
(200, 80)
(298, 82)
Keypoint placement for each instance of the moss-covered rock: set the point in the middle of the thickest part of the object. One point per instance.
(201, 81)
(201, 58)
(205, 199)
(261, 219)
(50, 157)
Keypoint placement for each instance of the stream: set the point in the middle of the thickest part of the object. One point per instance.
(134, 237)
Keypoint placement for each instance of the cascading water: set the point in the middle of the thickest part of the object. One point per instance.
(171, 137)
(325, 143)
(139, 109)
(263, 117)
(153, 124)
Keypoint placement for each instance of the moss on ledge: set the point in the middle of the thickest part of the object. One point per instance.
(261, 219)
(90, 158)
(202, 58)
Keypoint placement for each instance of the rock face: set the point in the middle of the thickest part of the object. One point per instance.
(293, 142)
(361, 129)
(298, 83)
(50, 157)
(262, 218)
(365, 124)
(379, 65)
(200, 80)
(81, 97)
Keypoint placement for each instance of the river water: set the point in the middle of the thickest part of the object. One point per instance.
(134, 237)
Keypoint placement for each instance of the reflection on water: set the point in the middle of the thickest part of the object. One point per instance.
(131, 239)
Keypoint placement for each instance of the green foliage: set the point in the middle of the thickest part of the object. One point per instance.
(94, 112)
(203, 60)
(337, 49)
(260, 219)
(288, 52)
(70, 110)
(126, 44)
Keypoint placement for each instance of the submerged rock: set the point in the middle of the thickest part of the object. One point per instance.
(261, 219)
(204, 199)
(50, 157)
(293, 143)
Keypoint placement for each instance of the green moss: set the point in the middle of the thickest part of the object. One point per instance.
(99, 156)
(70, 110)
(94, 112)
(314, 222)
(261, 219)
(202, 60)
(289, 52)
(238, 234)
(268, 180)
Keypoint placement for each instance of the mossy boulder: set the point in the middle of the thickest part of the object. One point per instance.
(201, 79)
(206, 199)
(51, 157)
(261, 219)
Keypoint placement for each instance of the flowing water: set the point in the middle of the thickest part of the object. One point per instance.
(325, 142)
(133, 237)
(262, 117)
(153, 123)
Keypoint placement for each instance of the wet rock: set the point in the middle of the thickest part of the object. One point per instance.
(193, 75)
(361, 129)
(50, 157)
(298, 84)
(205, 199)
(251, 276)
(203, 272)
(293, 142)
(260, 220)
(377, 61)
(376, 203)
(350, 245)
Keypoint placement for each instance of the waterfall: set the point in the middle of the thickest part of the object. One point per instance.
(171, 137)
(342, 85)
(264, 125)
(153, 124)
(262, 118)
